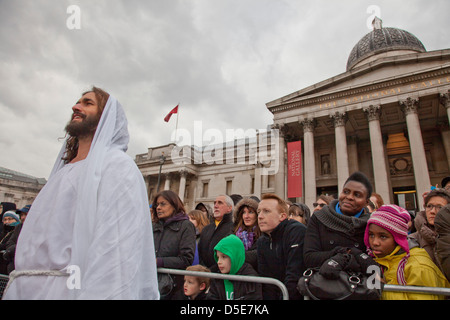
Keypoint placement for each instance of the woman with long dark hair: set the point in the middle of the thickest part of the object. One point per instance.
(174, 236)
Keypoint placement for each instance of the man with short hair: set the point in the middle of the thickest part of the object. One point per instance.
(88, 233)
(280, 248)
(216, 230)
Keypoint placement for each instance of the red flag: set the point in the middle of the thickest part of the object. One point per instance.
(174, 110)
(294, 169)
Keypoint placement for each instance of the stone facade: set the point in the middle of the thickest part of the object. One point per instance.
(19, 188)
(246, 167)
(387, 116)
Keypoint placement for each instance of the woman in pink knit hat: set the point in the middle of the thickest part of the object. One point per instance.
(386, 240)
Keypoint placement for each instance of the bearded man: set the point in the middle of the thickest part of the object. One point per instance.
(88, 234)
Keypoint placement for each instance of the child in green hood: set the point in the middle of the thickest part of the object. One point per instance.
(229, 254)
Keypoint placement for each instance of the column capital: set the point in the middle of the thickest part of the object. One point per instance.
(308, 124)
(444, 99)
(373, 112)
(339, 118)
(409, 105)
(183, 172)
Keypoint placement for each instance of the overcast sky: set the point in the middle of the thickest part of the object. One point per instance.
(221, 60)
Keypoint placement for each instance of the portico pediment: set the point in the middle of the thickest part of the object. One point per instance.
(383, 79)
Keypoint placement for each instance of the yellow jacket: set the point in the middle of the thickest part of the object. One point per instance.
(420, 270)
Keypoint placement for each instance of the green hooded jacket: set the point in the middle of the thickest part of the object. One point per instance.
(233, 247)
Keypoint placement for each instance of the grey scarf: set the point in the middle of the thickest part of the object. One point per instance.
(340, 222)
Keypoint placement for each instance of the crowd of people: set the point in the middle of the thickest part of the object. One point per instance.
(275, 238)
(272, 237)
(12, 220)
(91, 233)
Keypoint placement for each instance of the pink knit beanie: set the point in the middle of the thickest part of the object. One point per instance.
(395, 220)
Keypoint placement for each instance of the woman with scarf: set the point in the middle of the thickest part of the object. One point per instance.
(337, 230)
(173, 235)
(5, 206)
(10, 220)
(246, 228)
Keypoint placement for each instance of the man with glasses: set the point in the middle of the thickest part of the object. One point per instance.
(426, 234)
(321, 202)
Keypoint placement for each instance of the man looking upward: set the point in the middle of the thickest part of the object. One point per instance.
(88, 234)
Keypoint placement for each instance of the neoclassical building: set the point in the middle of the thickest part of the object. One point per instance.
(247, 166)
(19, 188)
(387, 115)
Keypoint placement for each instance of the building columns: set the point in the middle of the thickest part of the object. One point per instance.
(280, 176)
(380, 173)
(167, 181)
(310, 163)
(444, 99)
(183, 174)
(257, 186)
(421, 175)
(339, 120)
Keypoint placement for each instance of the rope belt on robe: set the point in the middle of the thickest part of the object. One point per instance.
(49, 273)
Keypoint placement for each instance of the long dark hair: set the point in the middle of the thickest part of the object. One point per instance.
(72, 142)
(172, 198)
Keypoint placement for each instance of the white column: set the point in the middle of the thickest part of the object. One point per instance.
(378, 156)
(310, 163)
(183, 174)
(167, 182)
(419, 159)
(257, 186)
(445, 134)
(280, 176)
(445, 101)
(339, 119)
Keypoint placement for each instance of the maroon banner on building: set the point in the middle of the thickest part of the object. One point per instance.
(294, 176)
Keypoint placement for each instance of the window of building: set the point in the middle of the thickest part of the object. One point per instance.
(205, 189)
(229, 190)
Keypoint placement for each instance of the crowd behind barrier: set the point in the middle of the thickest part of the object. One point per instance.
(244, 244)
(392, 288)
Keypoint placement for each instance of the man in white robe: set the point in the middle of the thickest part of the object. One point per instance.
(88, 234)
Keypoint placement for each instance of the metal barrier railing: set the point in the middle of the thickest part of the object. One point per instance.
(256, 279)
(388, 287)
(3, 283)
(416, 289)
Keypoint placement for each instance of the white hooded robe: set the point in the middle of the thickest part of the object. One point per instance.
(91, 223)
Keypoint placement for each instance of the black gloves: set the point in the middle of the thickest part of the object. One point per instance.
(330, 269)
(352, 260)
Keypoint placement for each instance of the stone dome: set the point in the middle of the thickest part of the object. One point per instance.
(382, 40)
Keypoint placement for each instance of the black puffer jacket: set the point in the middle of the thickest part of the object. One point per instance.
(280, 256)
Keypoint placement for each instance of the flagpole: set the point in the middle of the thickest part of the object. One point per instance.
(176, 127)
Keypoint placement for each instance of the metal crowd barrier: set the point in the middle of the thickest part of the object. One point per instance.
(388, 287)
(415, 289)
(263, 280)
(3, 282)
